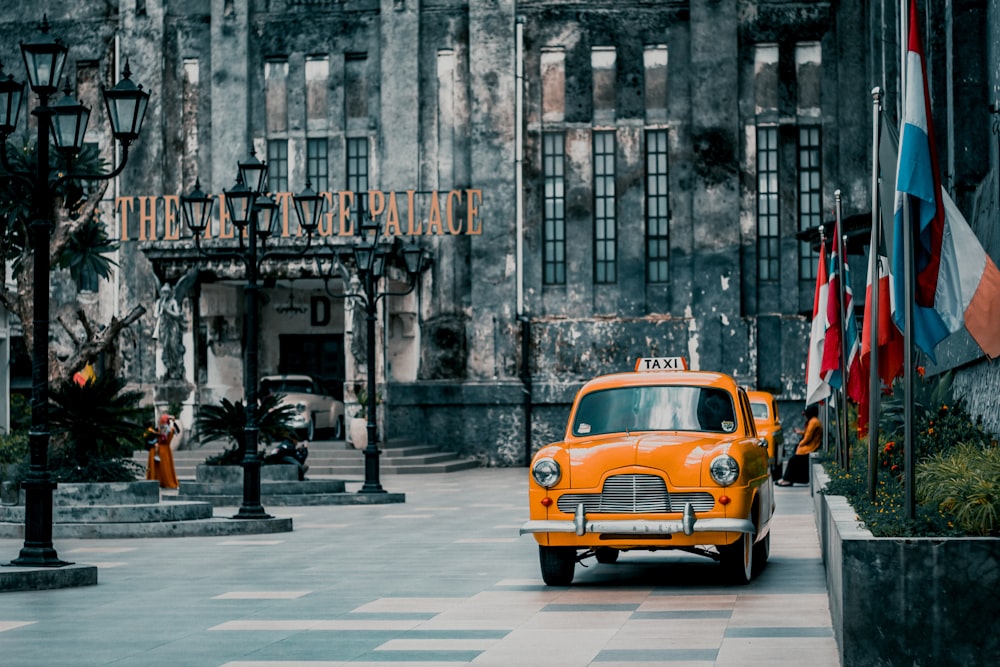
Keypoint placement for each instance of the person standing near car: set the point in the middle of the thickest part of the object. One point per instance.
(797, 468)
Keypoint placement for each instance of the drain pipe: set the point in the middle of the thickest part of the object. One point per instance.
(519, 235)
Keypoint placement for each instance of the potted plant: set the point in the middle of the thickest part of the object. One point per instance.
(227, 422)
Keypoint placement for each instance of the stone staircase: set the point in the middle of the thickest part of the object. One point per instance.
(337, 459)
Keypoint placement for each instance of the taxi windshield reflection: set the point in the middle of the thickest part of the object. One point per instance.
(655, 408)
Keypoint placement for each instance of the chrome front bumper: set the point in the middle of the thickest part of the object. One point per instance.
(688, 524)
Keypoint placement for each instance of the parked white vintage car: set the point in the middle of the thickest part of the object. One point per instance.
(315, 410)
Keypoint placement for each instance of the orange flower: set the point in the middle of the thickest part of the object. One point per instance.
(921, 370)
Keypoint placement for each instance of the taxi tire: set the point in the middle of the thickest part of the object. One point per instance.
(557, 564)
(606, 555)
(311, 429)
(338, 429)
(737, 559)
(761, 551)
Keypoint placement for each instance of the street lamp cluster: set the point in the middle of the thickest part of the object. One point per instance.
(254, 214)
(66, 121)
(371, 258)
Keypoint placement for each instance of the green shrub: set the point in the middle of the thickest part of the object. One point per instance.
(227, 422)
(940, 424)
(964, 483)
(95, 429)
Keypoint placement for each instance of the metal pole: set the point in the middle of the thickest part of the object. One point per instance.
(372, 453)
(909, 458)
(874, 380)
(840, 240)
(38, 550)
(251, 507)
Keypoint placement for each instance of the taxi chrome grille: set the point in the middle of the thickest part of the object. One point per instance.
(635, 494)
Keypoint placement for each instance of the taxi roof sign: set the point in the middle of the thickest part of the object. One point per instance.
(645, 364)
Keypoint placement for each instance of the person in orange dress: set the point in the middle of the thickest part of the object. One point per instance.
(797, 468)
(160, 464)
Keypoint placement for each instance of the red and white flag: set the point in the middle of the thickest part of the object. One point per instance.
(816, 388)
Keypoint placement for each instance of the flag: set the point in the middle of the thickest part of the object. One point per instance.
(888, 339)
(956, 281)
(838, 329)
(917, 176)
(968, 287)
(816, 389)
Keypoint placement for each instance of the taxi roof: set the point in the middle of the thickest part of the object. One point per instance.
(646, 378)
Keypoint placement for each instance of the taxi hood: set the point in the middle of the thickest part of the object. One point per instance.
(678, 456)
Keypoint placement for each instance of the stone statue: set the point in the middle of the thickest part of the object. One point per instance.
(170, 326)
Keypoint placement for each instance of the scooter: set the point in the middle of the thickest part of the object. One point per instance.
(286, 452)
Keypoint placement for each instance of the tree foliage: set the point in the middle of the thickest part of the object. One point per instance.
(78, 243)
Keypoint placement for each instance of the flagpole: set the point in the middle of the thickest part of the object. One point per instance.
(842, 291)
(826, 401)
(874, 379)
(909, 458)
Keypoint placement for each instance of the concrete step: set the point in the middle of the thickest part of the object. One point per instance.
(335, 458)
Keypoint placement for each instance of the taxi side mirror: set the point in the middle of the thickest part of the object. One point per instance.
(762, 442)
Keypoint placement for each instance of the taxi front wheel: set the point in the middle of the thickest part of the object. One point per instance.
(737, 559)
(557, 565)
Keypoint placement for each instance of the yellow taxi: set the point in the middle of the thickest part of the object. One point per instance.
(765, 414)
(659, 458)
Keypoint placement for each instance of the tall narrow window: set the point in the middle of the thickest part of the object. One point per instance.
(554, 241)
(810, 196)
(605, 234)
(317, 164)
(277, 165)
(767, 203)
(357, 165)
(657, 208)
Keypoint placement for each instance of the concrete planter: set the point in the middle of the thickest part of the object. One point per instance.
(907, 601)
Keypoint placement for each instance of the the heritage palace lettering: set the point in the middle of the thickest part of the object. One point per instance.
(403, 213)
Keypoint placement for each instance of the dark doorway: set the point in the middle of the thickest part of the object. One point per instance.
(320, 356)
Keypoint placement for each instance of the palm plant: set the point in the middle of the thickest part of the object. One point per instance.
(227, 421)
(96, 427)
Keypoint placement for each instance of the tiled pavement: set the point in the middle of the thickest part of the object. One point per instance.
(441, 580)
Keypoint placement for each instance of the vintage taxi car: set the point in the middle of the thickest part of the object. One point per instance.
(765, 415)
(653, 459)
(315, 410)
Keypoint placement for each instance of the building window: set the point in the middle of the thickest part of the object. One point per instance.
(810, 196)
(768, 247)
(657, 208)
(605, 236)
(277, 165)
(357, 166)
(317, 165)
(554, 242)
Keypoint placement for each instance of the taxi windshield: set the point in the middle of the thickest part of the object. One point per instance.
(759, 410)
(655, 408)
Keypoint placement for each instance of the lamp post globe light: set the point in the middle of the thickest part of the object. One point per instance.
(66, 122)
(254, 214)
(372, 256)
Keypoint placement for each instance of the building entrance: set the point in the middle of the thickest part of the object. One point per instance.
(318, 355)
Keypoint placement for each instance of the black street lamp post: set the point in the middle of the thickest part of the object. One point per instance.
(66, 121)
(254, 214)
(371, 257)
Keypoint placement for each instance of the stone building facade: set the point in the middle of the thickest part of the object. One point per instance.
(594, 181)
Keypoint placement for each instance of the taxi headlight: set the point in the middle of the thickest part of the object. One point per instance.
(546, 472)
(724, 469)
(300, 407)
